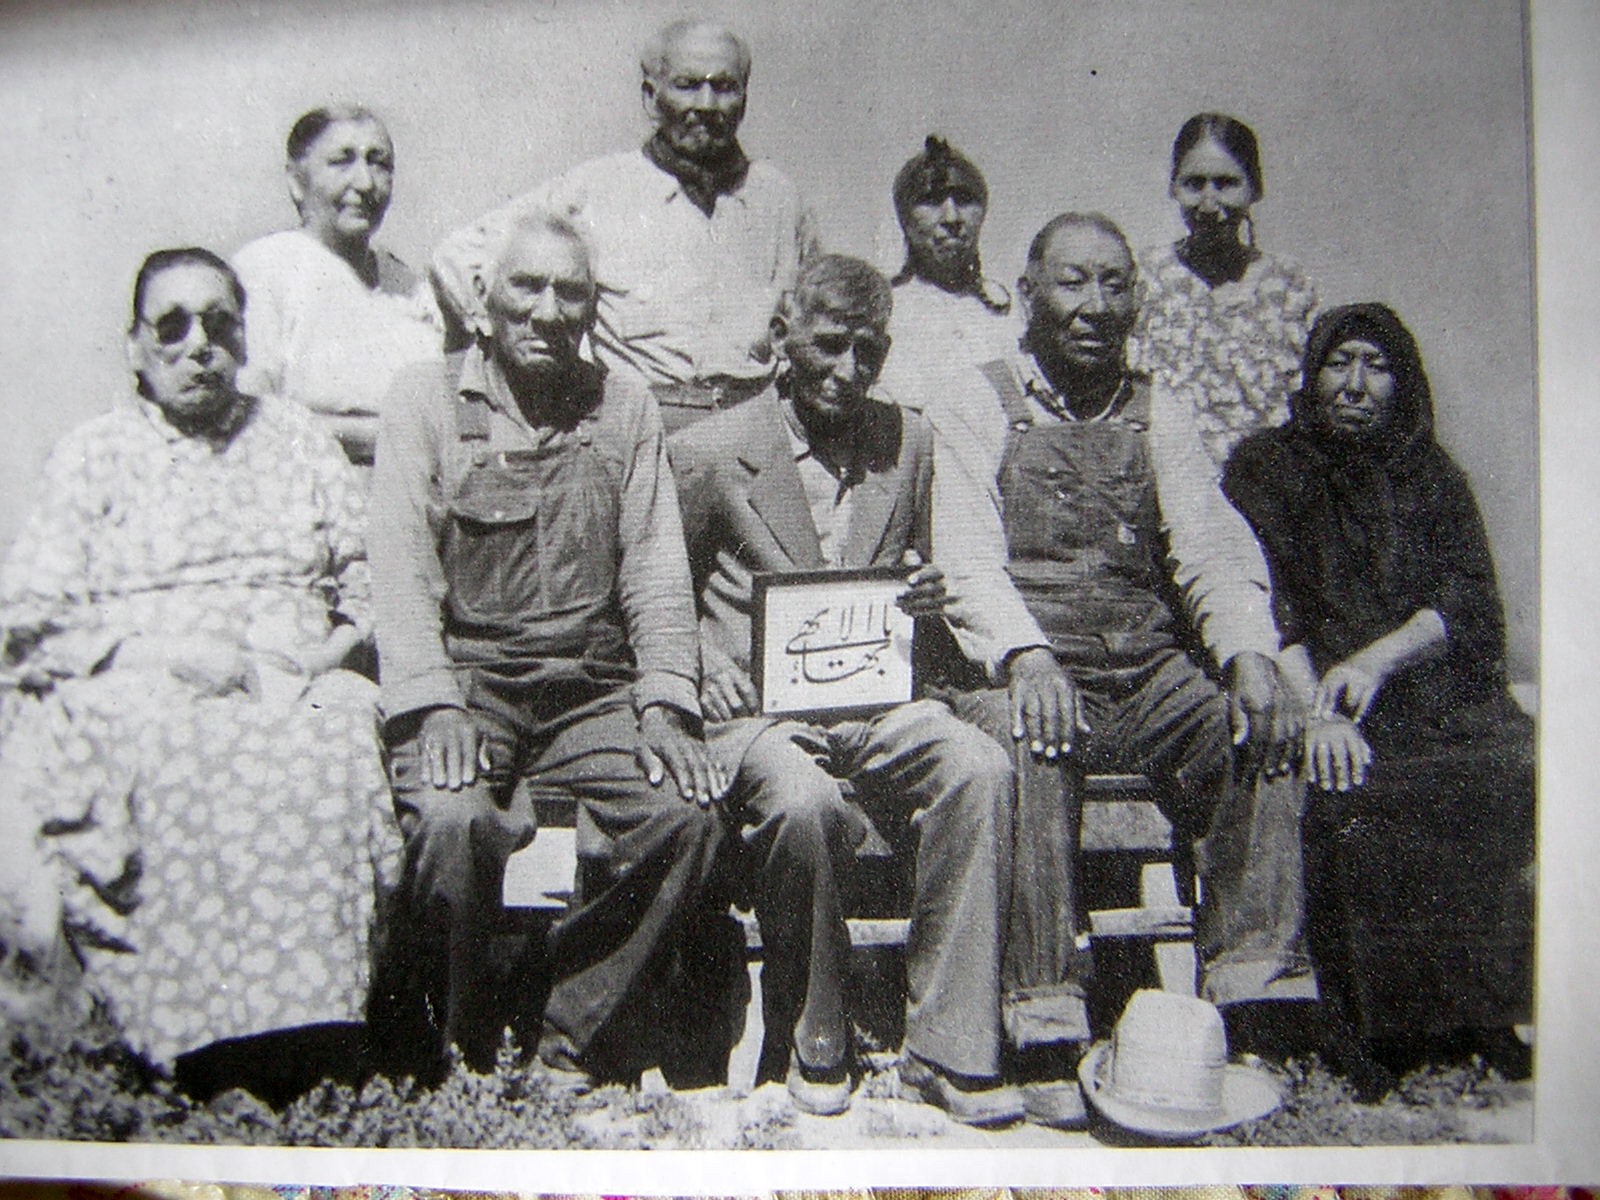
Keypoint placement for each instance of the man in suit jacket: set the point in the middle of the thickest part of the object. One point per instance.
(814, 473)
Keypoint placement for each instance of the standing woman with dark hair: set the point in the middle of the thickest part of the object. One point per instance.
(1222, 323)
(1419, 829)
(332, 317)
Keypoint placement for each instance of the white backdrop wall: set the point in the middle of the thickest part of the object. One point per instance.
(1393, 135)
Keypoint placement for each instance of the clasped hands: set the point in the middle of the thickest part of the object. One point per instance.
(215, 665)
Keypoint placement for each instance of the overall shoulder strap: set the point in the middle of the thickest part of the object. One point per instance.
(1009, 392)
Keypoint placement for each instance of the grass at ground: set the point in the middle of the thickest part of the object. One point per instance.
(81, 1083)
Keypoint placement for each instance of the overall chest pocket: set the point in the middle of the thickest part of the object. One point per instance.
(531, 537)
(1077, 490)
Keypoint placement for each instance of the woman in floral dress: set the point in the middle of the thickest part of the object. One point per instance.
(1222, 323)
(203, 781)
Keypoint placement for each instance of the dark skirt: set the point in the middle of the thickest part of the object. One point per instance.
(1420, 884)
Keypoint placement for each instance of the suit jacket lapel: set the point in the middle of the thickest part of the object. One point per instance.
(776, 493)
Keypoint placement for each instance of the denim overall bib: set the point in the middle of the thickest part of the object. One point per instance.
(530, 546)
(1083, 528)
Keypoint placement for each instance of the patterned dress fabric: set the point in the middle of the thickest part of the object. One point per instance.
(1232, 351)
(217, 855)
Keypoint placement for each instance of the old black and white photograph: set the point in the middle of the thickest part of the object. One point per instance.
(773, 577)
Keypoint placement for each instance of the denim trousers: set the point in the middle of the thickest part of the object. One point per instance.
(647, 862)
(1164, 718)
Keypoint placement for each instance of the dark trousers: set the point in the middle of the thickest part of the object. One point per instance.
(924, 776)
(1163, 718)
(646, 859)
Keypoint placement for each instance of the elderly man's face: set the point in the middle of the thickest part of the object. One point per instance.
(698, 98)
(1080, 298)
(345, 181)
(541, 303)
(942, 234)
(188, 342)
(833, 362)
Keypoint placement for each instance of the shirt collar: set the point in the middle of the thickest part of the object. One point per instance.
(848, 472)
(1042, 393)
(481, 376)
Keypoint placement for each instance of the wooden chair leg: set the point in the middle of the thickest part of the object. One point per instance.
(1175, 961)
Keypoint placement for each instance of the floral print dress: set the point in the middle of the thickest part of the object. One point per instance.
(1233, 351)
(217, 856)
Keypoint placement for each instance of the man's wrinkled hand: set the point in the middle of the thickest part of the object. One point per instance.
(1348, 689)
(727, 691)
(1046, 708)
(1337, 756)
(925, 594)
(1268, 721)
(668, 746)
(454, 751)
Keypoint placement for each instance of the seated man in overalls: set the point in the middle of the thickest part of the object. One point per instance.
(1156, 604)
(537, 637)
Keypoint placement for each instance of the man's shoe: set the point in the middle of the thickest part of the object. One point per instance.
(1056, 1103)
(971, 1100)
(1051, 1095)
(561, 1069)
(820, 1093)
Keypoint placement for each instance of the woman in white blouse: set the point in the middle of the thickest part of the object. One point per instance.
(332, 317)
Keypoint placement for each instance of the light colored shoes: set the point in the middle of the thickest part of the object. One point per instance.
(967, 1099)
(1056, 1103)
(819, 1093)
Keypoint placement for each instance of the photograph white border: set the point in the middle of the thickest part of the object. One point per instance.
(1565, 54)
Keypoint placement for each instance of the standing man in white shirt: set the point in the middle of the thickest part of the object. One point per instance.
(694, 242)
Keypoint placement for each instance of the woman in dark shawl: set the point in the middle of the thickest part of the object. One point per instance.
(1420, 827)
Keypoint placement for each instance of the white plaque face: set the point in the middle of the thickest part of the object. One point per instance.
(832, 641)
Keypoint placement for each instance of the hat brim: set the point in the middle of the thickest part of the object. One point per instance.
(1247, 1093)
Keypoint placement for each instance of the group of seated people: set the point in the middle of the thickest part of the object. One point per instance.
(537, 489)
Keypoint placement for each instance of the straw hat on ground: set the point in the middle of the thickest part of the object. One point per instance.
(1165, 1071)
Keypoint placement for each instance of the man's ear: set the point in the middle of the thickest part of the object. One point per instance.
(1025, 297)
(297, 184)
(778, 328)
(647, 98)
(131, 351)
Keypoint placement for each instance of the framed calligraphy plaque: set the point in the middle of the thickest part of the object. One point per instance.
(831, 642)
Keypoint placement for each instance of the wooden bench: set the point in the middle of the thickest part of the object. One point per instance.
(1120, 817)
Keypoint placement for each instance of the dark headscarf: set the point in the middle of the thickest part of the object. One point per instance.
(1361, 532)
(939, 171)
(1412, 424)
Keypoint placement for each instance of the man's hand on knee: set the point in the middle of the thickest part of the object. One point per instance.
(668, 746)
(1046, 709)
(453, 749)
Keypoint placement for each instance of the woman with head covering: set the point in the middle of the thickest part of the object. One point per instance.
(202, 780)
(1420, 837)
(948, 316)
(1221, 322)
(333, 317)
